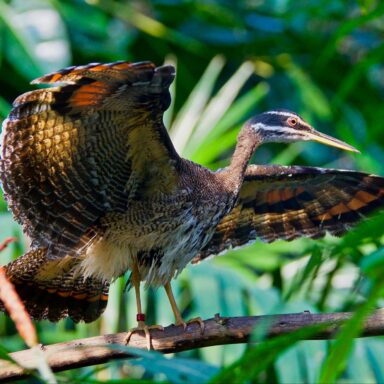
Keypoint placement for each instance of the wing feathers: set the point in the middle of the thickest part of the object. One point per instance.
(74, 152)
(117, 71)
(278, 202)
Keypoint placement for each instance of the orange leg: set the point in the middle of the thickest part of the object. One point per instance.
(178, 318)
(141, 326)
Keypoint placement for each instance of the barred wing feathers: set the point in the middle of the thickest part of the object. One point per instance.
(73, 152)
(278, 202)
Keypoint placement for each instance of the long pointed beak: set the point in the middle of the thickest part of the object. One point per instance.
(329, 140)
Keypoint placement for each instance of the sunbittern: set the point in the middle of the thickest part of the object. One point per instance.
(90, 172)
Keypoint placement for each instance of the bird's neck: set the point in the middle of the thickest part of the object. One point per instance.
(246, 146)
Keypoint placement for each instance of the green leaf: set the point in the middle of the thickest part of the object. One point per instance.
(4, 355)
(4, 108)
(310, 93)
(34, 47)
(337, 358)
(189, 114)
(373, 264)
(219, 139)
(148, 25)
(308, 272)
(344, 29)
(258, 358)
(218, 106)
(177, 370)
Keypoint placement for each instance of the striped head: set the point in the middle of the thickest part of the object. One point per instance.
(282, 126)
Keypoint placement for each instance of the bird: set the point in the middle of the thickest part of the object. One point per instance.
(90, 172)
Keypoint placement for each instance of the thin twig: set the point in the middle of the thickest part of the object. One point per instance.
(218, 331)
(14, 305)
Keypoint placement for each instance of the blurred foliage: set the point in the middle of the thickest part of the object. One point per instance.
(320, 58)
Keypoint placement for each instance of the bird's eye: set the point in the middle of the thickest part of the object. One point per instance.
(292, 121)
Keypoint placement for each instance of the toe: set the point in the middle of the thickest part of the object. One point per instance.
(181, 322)
(200, 321)
(148, 338)
(146, 329)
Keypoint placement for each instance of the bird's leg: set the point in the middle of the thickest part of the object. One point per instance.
(178, 318)
(141, 326)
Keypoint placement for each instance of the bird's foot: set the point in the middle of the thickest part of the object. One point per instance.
(141, 326)
(185, 324)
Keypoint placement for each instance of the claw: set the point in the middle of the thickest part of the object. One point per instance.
(146, 329)
(185, 324)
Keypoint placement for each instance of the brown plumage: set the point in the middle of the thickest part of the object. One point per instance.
(53, 290)
(90, 172)
(284, 203)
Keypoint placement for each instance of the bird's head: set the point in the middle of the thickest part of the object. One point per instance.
(285, 127)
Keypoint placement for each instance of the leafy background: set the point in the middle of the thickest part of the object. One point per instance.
(320, 58)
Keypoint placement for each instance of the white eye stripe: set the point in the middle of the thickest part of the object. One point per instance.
(277, 128)
(282, 113)
(287, 115)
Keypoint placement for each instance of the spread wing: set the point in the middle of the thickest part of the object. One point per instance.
(73, 152)
(278, 202)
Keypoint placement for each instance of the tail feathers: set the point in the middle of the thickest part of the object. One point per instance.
(55, 289)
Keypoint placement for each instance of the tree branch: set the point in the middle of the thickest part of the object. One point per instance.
(218, 331)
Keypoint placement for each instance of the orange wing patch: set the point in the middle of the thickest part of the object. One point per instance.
(55, 78)
(339, 209)
(287, 193)
(273, 197)
(90, 95)
(366, 197)
(355, 204)
(110, 71)
(323, 217)
(123, 66)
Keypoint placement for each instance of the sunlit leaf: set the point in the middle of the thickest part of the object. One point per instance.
(218, 105)
(223, 135)
(189, 114)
